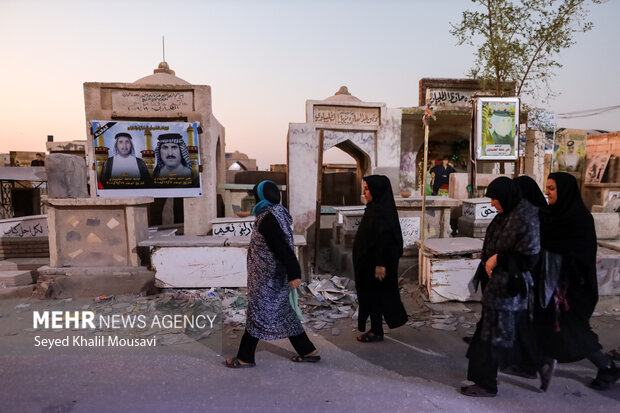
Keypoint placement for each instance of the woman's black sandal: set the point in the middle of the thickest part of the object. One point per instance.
(235, 363)
(306, 359)
(369, 337)
(476, 391)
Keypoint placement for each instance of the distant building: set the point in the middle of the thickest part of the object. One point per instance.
(75, 147)
(238, 162)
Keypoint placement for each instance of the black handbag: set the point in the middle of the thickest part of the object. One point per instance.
(550, 270)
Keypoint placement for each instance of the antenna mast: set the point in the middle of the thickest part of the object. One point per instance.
(163, 48)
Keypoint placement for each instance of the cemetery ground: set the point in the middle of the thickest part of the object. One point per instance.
(417, 368)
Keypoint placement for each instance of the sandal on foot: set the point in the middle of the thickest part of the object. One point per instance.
(476, 391)
(369, 337)
(306, 359)
(546, 373)
(235, 363)
(605, 378)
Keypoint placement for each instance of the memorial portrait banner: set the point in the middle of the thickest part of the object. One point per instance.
(158, 159)
(497, 128)
(569, 151)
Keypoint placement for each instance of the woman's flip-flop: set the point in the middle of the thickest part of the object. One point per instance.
(306, 359)
(235, 363)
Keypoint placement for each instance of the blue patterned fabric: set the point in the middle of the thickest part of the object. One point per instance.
(269, 314)
(262, 201)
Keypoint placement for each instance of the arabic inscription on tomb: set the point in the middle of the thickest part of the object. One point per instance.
(346, 116)
(152, 101)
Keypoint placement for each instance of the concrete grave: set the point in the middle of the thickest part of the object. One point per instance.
(203, 261)
(437, 214)
(449, 265)
(166, 97)
(370, 132)
(607, 225)
(608, 271)
(96, 232)
(477, 215)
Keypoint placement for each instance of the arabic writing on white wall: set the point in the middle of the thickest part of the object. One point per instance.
(479, 211)
(152, 102)
(446, 97)
(409, 226)
(24, 229)
(233, 229)
(349, 116)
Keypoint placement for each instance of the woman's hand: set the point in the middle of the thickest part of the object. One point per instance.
(295, 283)
(490, 264)
(379, 273)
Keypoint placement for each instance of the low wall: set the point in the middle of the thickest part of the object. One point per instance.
(24, 237)
(203, 261)
(97, 232)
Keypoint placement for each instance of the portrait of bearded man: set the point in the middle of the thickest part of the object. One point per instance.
(172, 157)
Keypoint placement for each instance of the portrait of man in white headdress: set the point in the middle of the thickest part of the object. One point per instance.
(123, 162)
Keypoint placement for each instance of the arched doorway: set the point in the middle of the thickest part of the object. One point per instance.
(339, 183)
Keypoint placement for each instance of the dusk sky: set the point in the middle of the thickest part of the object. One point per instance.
(262, 59)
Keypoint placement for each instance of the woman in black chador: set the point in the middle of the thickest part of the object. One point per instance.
(530, 191)
(568, 230)
(509, 252)
(377, 248)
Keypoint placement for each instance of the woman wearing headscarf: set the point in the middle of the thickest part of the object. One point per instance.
(377, 248)
(568, 230)
(531, 192)
(510, 250)
(273, 270)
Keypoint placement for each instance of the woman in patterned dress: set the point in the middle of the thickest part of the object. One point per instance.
(273, 270)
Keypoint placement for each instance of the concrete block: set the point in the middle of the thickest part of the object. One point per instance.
(607, 225)
(613, 205)
(450, 279)
(200, 267)
(14, 264)
(16, 278)
(66, 176)
(608, 271)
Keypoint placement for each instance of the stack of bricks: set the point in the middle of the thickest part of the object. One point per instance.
(606, 143)
(33, 247)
